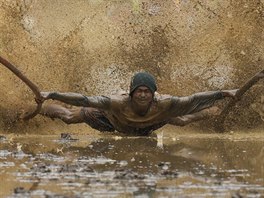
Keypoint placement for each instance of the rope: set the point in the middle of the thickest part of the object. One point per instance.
(29, 83)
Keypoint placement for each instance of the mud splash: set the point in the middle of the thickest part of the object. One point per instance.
(94, 47)
(114, 166)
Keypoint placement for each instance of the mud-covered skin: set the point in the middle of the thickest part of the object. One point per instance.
(121, 113)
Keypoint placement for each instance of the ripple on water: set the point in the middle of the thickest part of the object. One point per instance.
(133, 167)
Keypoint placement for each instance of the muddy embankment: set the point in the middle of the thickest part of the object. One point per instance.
(94, 46)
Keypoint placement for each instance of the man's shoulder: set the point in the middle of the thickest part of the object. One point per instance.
(163, 101)
(162, 97)
(120, 97)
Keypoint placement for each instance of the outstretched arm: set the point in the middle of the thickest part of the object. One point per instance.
(197, 102)
(76, 99)
(201, 115)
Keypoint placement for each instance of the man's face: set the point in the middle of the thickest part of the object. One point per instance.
(142, 96)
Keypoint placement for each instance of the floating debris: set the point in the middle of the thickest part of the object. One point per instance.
(67, 136)
(2, 138)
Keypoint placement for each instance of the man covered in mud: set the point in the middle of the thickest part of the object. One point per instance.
(139, 112)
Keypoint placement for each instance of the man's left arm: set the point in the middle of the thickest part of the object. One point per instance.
(199, 101)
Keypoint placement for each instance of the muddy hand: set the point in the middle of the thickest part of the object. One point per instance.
(230, 93)
(44, 96)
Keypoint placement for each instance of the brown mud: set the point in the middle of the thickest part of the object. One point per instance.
(94, 46)
(187, 165)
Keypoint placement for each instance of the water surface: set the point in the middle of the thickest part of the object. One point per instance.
(201, 165)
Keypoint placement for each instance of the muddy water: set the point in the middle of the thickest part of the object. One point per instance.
(193, 165)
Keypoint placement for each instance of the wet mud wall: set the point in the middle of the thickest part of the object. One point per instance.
(94, 47)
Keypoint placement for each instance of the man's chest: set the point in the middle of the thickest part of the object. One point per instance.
(127, 116)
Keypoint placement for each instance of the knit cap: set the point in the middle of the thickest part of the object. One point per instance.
(143, 79)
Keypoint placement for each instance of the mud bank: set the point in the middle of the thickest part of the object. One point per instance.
(94, 47)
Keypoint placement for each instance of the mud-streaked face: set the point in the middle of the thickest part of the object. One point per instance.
(142, 96)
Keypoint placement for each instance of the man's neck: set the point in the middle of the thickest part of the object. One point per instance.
(140, 110)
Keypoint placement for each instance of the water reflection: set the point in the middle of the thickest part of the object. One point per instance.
(130, 166)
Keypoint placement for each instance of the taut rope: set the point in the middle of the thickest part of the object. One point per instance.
(29, 83)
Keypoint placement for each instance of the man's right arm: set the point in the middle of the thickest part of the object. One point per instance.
(76, 99)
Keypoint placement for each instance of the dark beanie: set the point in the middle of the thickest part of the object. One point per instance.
(143, 79)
